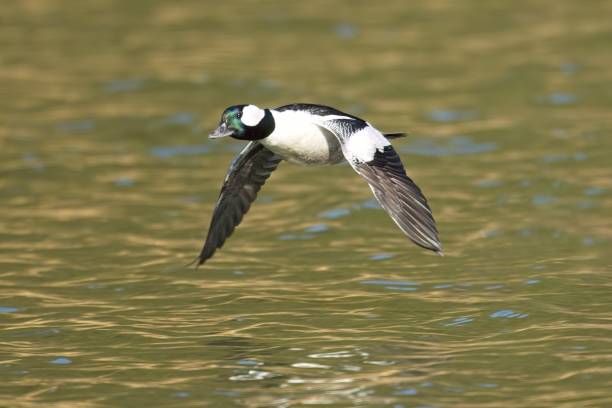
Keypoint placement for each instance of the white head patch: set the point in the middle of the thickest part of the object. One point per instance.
(252, 115)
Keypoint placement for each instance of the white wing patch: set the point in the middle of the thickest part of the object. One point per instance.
(363, 144)
(252, 115)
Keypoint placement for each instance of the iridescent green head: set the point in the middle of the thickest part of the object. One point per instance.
(245, 122)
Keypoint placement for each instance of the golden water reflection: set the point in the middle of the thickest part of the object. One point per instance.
(109, 182)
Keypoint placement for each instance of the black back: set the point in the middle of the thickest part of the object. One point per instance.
(319, 110)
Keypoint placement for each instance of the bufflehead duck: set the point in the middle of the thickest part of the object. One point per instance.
(310, 134)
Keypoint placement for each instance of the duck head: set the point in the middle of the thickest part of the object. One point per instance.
(245, 122)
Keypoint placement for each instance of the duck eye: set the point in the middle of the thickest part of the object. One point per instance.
(239, 115)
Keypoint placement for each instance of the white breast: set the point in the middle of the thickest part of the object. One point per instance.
(298, 139)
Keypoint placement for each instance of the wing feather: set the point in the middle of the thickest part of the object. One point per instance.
(247, 173)
(372, 157)
(400, 197)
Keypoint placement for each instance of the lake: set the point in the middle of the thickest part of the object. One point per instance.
(109, 181)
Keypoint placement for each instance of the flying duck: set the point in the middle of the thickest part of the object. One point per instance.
(309, 134)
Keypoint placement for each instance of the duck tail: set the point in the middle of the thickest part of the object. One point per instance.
(395, 135)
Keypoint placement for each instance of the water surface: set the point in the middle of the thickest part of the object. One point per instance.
(108, 182)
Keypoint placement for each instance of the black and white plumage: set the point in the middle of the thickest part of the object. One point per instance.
(310, 134)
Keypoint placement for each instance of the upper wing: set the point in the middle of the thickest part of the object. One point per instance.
(373, 157)
(247, 173)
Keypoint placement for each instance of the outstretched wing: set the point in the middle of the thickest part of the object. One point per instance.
(400, 197)
(373, 157)
(247, 173)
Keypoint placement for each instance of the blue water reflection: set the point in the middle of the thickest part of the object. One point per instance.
(456, 146)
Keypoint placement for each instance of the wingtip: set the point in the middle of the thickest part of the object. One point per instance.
(195, 263)
(438, 249)
(200, 260)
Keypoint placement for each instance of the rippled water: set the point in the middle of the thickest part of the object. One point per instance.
(108, 183)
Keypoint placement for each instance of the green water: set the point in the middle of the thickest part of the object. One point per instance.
(108, 182)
